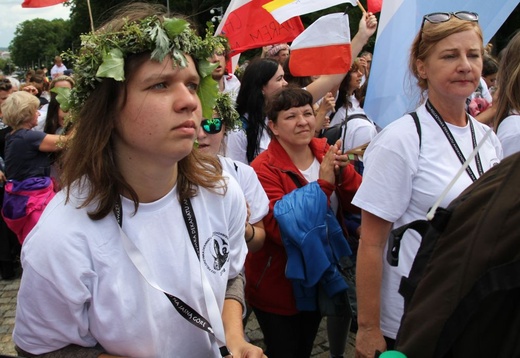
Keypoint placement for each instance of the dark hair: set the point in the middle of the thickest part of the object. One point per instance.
(251, 100)
(300, 81)
(5, 84)
(343, 91)
(52, 120)
(489, 65)
(286, 98)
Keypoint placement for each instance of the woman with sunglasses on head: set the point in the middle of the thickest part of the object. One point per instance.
(406, 170)
(210, 140)
(154, 232)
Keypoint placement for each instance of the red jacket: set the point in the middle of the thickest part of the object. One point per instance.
(267, 288)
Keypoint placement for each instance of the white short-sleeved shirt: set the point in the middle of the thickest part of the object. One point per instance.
(253, 190)
(236, 144)
(402, 181)
(509, 134)
(80, 287)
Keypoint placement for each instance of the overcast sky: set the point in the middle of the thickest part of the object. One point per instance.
(12, 14)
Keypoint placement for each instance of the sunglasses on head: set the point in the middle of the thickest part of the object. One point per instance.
(212, 126)
(438, 17)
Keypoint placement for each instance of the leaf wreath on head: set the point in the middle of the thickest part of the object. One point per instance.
(103, 54)
(226, 109)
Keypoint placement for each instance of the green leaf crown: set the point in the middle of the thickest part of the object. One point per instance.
(226, 109)
(103, 55)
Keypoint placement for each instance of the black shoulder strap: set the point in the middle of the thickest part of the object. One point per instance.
(294, 178)
(356, 115)
(417, 125)
(430, 232)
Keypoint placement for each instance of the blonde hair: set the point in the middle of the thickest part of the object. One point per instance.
(19, 108)
(62, 78)
(430, 35)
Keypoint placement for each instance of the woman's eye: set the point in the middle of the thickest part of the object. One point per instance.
(192, 86)
(161, 85)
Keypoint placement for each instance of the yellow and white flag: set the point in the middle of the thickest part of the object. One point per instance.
(283, 10)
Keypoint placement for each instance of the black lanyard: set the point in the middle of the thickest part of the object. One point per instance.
(453, 142)
(187, 312)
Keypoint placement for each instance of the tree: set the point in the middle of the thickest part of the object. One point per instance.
(102, 10)
(37, 41)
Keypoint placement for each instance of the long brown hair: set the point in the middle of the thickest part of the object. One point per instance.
(89, 160)
(508, 80)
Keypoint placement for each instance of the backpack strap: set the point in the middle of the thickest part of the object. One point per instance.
(396, 235)
(417, 125)
(357, 115)
(430, 232)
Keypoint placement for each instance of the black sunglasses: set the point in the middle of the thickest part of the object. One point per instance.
(212, 126)
(438, 17)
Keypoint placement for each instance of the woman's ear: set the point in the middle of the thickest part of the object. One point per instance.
(273, 127)
(421, 69)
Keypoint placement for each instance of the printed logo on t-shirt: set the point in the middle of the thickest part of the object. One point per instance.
(215, 253)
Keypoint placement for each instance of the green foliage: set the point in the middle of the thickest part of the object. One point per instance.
(39, 41)
(113, 65)
(63, 95)
(3, 65)
(103, 54)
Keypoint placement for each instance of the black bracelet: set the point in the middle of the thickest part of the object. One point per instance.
(252, 236)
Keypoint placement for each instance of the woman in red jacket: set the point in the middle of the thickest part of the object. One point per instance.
(294, 158)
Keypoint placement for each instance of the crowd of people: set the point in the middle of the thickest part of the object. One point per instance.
(154, 211)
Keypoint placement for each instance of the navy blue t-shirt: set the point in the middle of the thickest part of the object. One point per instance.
(23, 158)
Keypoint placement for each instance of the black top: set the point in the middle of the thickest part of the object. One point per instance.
(23, 159)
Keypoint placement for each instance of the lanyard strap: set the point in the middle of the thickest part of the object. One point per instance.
(435, 114)
(186, 311)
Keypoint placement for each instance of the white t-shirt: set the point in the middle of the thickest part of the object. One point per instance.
(509, 134)
(359, 130)
(80, 287)
(253, 190)
(401, 182)
(236, 144)
(58, 70)
(341, 113)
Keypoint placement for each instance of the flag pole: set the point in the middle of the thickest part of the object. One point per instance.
(361, 7)
(90, 14)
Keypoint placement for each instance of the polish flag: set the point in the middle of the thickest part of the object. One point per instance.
(41, 3)
(374, 6)
(283, 10)
(323, 48)
(248, 25)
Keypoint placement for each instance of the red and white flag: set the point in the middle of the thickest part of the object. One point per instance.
(248, 25)
(41, 3)
(283, 10)
(323, 48)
